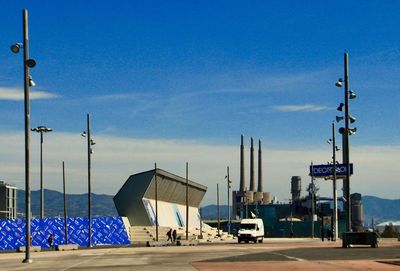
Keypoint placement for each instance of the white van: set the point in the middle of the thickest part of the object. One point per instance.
(251, 229)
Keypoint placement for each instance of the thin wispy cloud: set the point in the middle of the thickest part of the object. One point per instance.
(15, 94)
(304, 107)
(121, 96)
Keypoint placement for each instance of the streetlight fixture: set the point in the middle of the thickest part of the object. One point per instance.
(41, 130)
(28, 63)
(218, 221)
(228, 184)
(65, 206)
(187, 201)
(335, 148)
(346, 132)
(90, 143)
(156, 197)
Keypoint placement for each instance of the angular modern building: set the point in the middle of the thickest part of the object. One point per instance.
(136, 199)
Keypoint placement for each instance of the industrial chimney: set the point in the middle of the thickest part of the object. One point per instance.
(242, 173)
(260, 179)
(296, 188)
(252, 179)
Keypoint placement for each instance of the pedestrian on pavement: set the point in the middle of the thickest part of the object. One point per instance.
(174, 236)
(169, 235)
(51, 241)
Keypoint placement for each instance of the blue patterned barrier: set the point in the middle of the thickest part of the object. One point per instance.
(105, 230)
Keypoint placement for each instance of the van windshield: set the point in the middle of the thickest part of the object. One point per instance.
(248, 226)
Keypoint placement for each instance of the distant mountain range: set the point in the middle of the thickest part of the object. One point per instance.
(102, 205)
(380, 209)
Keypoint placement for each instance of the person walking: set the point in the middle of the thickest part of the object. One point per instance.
(169, 235)
(51, 241)
(174, 236)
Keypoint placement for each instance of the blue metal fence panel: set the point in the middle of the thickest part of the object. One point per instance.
(105, 230)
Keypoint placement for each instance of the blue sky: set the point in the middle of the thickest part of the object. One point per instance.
(205, 71)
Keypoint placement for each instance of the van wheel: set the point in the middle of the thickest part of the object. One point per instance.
(261, 240)
(255, 240)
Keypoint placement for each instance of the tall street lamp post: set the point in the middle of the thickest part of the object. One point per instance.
(90, 143)
(312, 200)
(335, 209)
(218, 223)
(187, 201)
(228, 184)
(346, 132)
(156, 197)
(28, 82)
(41, 130)
(65, 206)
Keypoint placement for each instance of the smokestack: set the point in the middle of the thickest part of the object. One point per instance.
(252, 179)
(242, 175)
(296, 188)
(260, 179)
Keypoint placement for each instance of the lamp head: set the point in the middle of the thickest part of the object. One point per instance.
(340, 107)
(83, 134)
(339, 118)
(31, 82)
(339, 83)
(30, 63)
(352, 131)
(16, 47)
(42, 129)
(352, 95)
(352, 119)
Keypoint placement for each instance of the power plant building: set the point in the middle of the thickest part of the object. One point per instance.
(253, 195)
(288, 219)
(136, 199)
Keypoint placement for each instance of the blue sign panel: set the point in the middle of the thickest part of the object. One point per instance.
(327, 170)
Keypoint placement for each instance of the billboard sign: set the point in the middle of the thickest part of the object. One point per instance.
(327, 170)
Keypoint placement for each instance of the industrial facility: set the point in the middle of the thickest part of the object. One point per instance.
(245, 197)
(308, 215)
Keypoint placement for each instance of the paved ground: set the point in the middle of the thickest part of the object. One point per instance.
(283, 254)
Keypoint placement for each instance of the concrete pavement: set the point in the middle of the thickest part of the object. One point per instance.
(282, 254)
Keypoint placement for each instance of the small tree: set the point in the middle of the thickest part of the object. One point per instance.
(390, 232)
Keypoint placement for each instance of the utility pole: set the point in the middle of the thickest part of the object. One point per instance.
(201, 224)
(312, 200)
(335, 210)
(156, 197)
(347, 149)
(41, 130)
(187, 201)
(65, 206)
(229, 208)
(27, 138)
(89, 142)
(218, 210)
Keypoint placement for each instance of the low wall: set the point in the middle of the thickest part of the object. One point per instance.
(105, 230)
